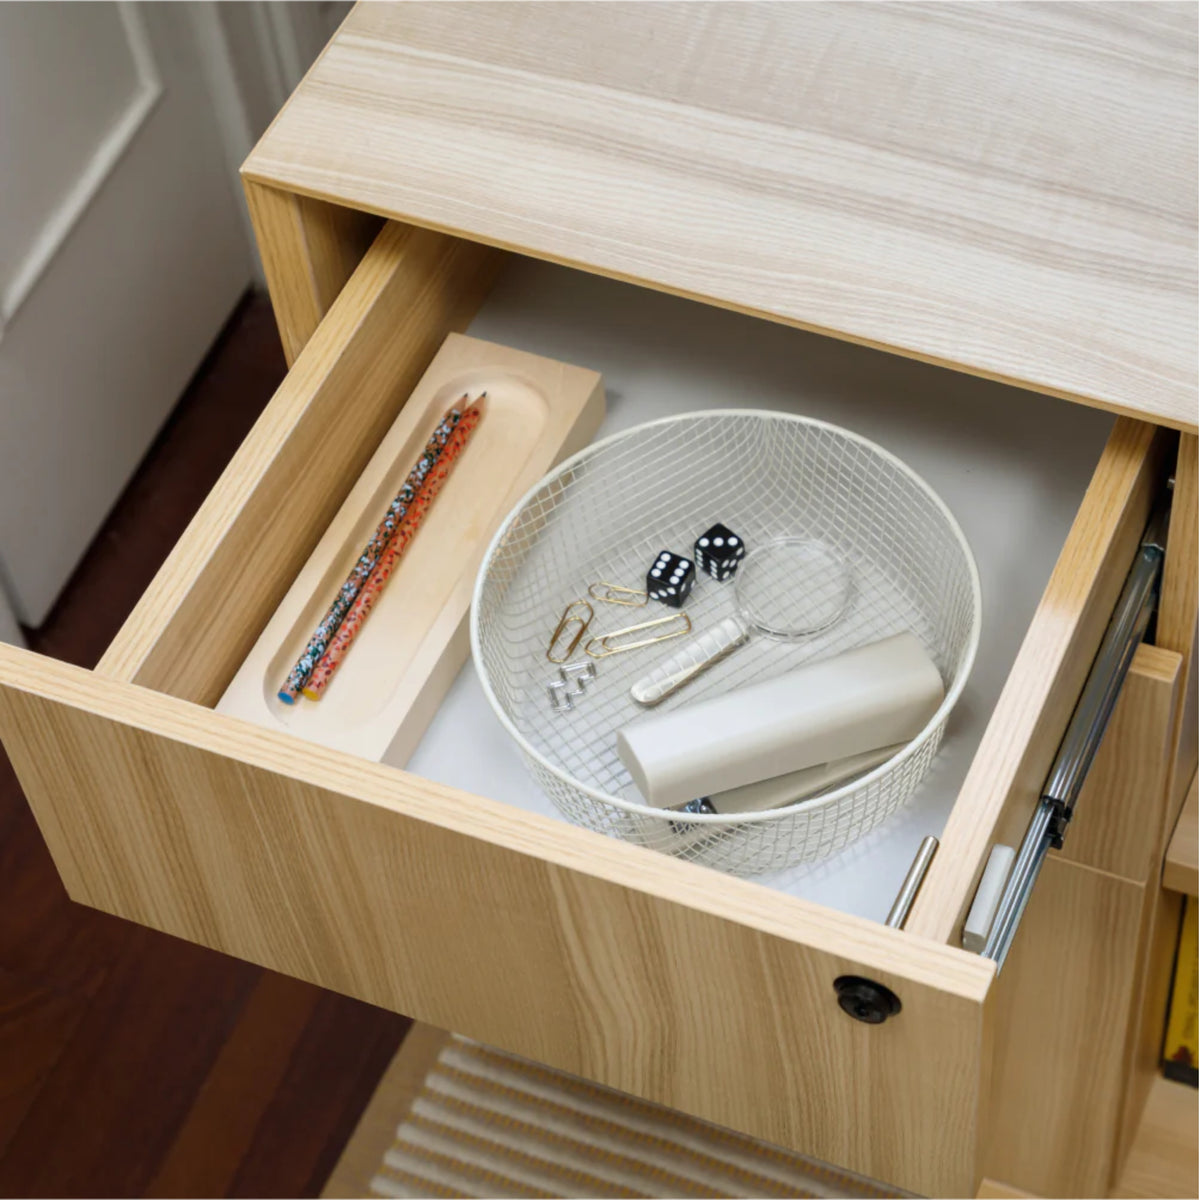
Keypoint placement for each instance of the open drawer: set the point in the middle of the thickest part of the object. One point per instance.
(707, 993)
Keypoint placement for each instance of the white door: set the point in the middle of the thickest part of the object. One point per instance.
(122, 252)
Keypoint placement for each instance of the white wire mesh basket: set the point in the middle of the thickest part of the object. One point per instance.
(604, 515)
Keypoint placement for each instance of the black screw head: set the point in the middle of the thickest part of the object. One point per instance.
(865, 1000)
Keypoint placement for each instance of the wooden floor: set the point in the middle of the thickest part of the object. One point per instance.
(133, 1064)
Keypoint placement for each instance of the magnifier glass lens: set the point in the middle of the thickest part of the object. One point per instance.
(792, 588)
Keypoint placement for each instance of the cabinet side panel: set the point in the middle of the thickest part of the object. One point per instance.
(1147, 1019)
(1119, 816)
(641, 972)
(1063, 1006)
(1178, 612)
(1176, 631)
(309, 249)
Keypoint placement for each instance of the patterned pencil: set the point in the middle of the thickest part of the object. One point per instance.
(383, 534)
(332, 659)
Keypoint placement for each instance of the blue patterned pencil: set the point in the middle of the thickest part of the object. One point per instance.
(349, 590)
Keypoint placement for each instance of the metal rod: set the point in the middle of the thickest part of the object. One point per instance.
(1121, 639)
(1060, 794)
(1020, 884)
(912, 883)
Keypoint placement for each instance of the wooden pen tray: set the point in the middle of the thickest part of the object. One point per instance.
(408, 651)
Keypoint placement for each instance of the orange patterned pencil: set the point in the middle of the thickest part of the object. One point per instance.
(350, 627)
(392, 519)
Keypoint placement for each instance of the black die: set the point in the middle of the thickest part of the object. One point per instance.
(718, 552)
(670, 579)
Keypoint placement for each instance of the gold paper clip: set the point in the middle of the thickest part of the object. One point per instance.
(614, 593)
(602, 647)
(569, 619)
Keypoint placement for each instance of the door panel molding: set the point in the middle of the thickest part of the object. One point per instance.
(80, 194)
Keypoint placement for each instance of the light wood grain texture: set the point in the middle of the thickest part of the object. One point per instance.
(1009, 190)
(387, 691)
(1177, 617)
(1063, 1002)
(991, 1189)
(1177, 606)
(1157, 938)
(1093, 1006)
(636, 970)
(1163, 1160)
(309, 249)
(1180, 865)
(1160, 910)
(1008, 770)
(199, 618)
(1119, 817)
(1187, 748)
(392, 1099)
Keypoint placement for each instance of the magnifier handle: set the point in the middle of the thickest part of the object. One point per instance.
(696, 657)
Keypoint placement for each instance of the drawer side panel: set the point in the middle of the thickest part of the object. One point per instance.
(1006, 776)
(200, 616)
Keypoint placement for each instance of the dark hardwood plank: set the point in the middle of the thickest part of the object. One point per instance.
(35, 1026)
(42, 933)
(121, 1089)
(226, 1112)
(346, 1048)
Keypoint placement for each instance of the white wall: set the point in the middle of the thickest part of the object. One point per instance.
(255, 53)
(122, 254)
(124, 242)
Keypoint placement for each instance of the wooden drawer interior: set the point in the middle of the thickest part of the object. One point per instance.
(1019, 472)
(448, 890)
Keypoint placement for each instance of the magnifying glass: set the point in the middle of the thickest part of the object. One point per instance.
(786, 589)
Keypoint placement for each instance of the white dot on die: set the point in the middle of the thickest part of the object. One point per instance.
(656, 572)
(733, 539)
(704, 541)
(718, 541)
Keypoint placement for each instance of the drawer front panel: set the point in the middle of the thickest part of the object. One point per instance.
(641, 972)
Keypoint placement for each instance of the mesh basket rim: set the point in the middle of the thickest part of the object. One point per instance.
(932, 726)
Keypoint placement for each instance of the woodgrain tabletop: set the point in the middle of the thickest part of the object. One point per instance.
(1009, 189)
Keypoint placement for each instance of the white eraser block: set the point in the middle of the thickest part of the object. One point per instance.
(873, 696)
(987, 898)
